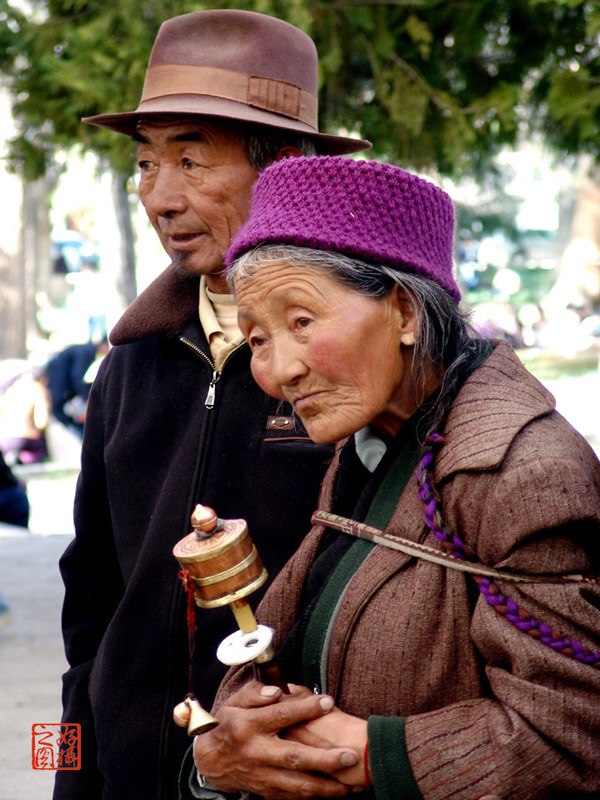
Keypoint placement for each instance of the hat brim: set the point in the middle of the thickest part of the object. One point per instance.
(191, 105)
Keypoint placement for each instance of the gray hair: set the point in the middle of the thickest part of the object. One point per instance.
(444, 340)
(263, 143)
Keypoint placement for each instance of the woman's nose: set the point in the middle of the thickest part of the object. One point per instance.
(287, 362)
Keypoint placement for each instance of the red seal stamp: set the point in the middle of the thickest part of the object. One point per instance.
(56, 745)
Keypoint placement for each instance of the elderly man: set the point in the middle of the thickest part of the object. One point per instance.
(174, 417)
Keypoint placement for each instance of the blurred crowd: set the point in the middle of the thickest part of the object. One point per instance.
(523, 291)
(34, 401)
(563, 331)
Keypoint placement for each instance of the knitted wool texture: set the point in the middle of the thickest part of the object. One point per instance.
(375, 212)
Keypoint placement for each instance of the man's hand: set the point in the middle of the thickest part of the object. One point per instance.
(250, 748)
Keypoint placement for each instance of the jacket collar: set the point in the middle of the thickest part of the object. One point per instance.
(495, 403)
(162, 309)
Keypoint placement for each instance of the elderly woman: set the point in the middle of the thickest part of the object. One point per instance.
(439, 625)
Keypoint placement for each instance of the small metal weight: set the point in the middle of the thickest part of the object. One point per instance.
(200, 719)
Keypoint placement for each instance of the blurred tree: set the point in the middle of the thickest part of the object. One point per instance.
(448, 83)
(432, 83)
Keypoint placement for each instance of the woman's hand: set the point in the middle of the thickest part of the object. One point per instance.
(252, 748)
(332, 730)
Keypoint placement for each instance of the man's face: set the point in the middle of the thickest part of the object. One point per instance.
(195, 184)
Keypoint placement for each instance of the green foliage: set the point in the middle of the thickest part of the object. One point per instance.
(443, 83)
(420, 34)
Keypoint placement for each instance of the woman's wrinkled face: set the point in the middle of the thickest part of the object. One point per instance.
(334, 354)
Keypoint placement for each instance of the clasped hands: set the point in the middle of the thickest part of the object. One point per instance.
(282, 747)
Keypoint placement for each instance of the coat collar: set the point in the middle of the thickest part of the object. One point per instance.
(163, 309)
(495, 403)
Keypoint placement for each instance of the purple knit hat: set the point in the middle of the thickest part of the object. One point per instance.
(363, 209)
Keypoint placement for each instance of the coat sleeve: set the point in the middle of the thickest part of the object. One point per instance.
(93, 588)
(536, 731)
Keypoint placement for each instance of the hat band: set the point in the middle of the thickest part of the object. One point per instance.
(264, 93)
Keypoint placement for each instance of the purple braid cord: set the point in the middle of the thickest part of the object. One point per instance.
(490, 591)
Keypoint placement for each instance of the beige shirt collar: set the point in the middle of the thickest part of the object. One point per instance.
(221, 344)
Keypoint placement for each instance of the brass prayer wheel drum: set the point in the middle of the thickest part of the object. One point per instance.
(221, 559)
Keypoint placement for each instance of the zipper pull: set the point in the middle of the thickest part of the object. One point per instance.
(210, 397)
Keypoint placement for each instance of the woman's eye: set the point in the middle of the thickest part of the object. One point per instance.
(256, 341)
(302, 322)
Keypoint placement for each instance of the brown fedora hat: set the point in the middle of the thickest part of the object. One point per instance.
(238, 65)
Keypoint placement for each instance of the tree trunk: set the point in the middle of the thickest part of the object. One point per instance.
(578, 280)
(37, 262)
(25, 266)
(126, 285)
(12, 298)
(12, 285)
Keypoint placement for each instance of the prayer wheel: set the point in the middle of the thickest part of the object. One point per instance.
(221, 559)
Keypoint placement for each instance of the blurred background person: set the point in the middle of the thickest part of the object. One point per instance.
(68, 384)
(14, 510)
(24, 414)
(89, 301)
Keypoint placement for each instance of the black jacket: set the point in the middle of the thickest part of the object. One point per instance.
(151, 451)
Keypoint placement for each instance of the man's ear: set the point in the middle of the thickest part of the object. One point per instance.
(407, 315)
(290, 151)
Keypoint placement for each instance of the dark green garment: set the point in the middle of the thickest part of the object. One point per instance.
(378, 515)
(390, 767)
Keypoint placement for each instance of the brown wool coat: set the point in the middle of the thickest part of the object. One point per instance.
(490, 711)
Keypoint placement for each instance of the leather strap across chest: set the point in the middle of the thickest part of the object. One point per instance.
(360, 530)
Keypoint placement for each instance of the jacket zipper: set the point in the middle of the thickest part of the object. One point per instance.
(209, 401)
(212, 390)
(178, 603)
